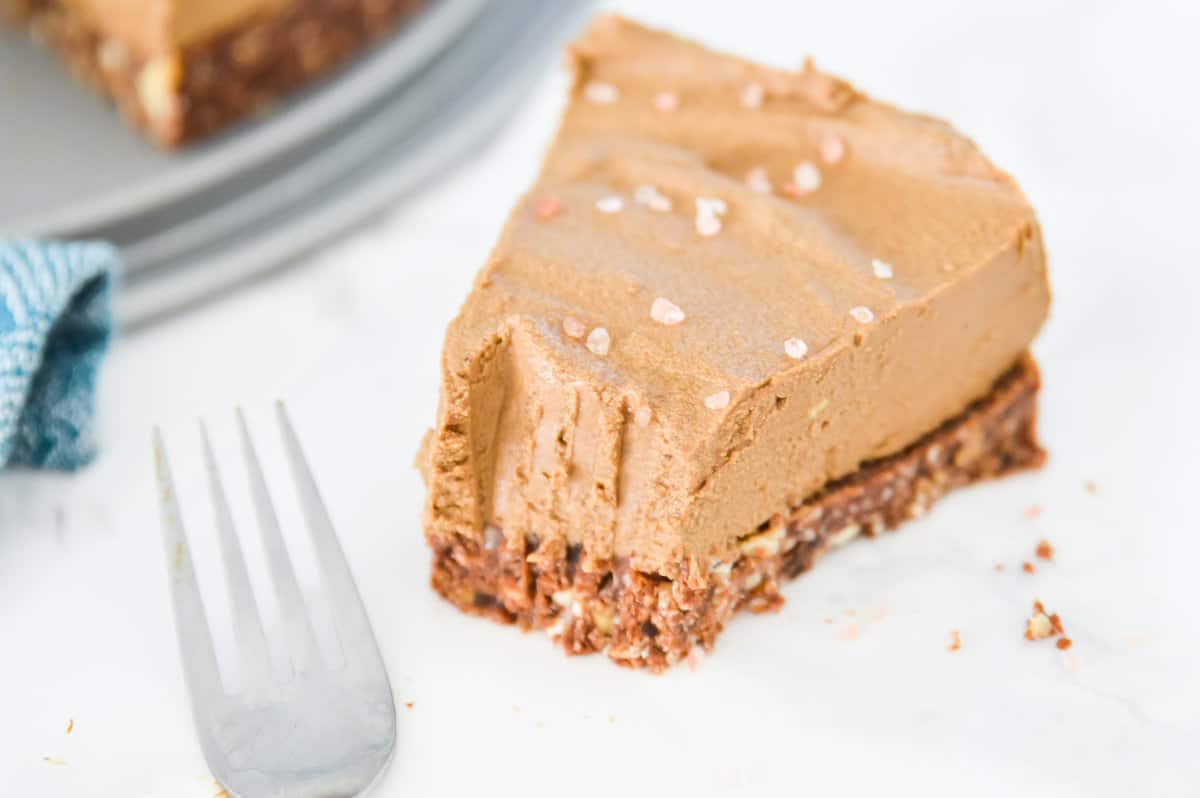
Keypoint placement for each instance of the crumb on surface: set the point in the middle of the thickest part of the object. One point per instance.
(1033, 511)
(70, 725)
(53, 760)
(1044, 550)
(1027, 567)
(955, 641)
(409, 704)
(850, 632)
(1091, 487)
(1043, 624)
(1038, 627)
(1063, 643)
(999, 566)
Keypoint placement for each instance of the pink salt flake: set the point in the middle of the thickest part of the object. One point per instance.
(598, 341)
(862, 314)
(832, 150)
(757, 180)
(717, 401)
(666, 101)
(664, 311)
(601, 93)
(795, 348)
(753, 94)
(573, 327)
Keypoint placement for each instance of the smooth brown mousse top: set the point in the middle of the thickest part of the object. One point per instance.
(869, 276)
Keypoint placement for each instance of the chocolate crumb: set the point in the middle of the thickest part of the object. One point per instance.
(1045, 551)
(1043, 624)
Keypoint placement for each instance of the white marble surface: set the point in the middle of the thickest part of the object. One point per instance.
(1088, 104)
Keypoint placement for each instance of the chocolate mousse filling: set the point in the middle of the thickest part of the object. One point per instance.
(743, 315)
(646, 620)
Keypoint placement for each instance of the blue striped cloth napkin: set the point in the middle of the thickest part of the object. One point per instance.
(55, 325)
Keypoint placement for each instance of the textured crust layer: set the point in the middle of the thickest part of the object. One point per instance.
(180, 97)
(646, 620)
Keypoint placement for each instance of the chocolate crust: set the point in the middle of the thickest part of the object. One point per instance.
(179, 98)
(647, 620)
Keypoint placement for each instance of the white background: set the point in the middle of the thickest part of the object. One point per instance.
(1091, 105)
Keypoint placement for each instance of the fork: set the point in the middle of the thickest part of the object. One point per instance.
(321, 729)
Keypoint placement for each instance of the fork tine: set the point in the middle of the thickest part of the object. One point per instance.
(350, 616)
(254, 660)
(191, 626)
(302, 639)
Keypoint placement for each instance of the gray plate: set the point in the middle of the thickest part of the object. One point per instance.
(193, 225)
(54, 127)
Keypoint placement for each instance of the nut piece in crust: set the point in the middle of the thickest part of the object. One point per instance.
(158, 92)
